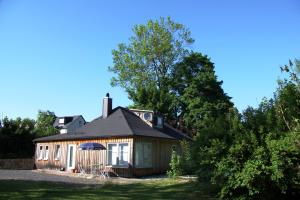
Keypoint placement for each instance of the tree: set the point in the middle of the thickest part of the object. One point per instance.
(202, 99)
(44, 124)
(16, 138)
(204, 108)
(263, 159)
(293, 70)
(143, 67)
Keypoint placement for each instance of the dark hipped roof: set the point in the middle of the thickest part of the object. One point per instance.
(120, 123)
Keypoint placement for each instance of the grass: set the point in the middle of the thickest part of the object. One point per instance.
(167, 189)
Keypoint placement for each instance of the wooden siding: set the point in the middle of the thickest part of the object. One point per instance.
(85, 157)
(161, 155)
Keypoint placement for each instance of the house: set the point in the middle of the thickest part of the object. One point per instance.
(69, 124)
(137, 143)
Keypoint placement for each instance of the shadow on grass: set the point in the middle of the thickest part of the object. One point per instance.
(10, 189)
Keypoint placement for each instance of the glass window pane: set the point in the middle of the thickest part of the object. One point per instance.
(57, 152)
(138, 154)
(143, 154)
(46, 153)
(123, 154)
(112, 154)
(147, 155)
(71, 156)
(40, 155)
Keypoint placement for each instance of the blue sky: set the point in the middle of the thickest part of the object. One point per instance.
(54, 54)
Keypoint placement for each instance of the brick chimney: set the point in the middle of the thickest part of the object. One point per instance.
(107, 106)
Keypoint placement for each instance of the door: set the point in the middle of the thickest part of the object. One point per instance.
(71, 156)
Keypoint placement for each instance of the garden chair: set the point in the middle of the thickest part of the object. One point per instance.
(82, 171)
(104, 171)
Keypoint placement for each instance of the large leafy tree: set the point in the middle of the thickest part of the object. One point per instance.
(201, 98)
(44, 124)
(288, 96)
(143, 66)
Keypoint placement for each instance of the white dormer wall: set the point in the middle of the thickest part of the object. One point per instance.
(63, 131)
(141, 114)
(61, 121)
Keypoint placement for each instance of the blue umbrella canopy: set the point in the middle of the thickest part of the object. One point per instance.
(91, 146)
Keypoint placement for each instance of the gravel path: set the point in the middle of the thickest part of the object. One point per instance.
(65, 177)
(36, 175)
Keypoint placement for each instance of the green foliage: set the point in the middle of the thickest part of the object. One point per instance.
(187, 162)
(201, 97)
(143, 67)
(175, 165)
(285, 160)
(160, 73)
(16, 135)
(181, 160)
(288, 105)
(16, 138)
(261, 160)
(253, 171)
(44, 124)
(288, 97)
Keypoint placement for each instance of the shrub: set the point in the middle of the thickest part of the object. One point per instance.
(175, 165)
(187, 162)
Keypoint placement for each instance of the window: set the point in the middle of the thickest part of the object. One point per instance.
(46, 155)
(159, 122)
(147, 154)
(138, 154)
(71, 156)
(43, 153)
(118, 154)
(143, 154)
(123, 154)
(112, 154)
(61, 121)
(57, 152)
(148, 116)
(40, 153)
(63, 131)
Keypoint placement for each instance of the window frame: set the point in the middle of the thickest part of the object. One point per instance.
(118, 165)
(46, 152)
(40, 155)
(57, 152)
(143, 144)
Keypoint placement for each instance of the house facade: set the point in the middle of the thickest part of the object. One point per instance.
(137, 142)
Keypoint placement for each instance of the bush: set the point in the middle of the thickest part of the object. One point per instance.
(182, 162)
(187, 162)
(175, 165)
(269, 170)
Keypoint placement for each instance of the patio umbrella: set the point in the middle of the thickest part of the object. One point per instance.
(91, 146)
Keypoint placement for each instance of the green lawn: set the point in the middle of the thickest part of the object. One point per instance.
(167, 189)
